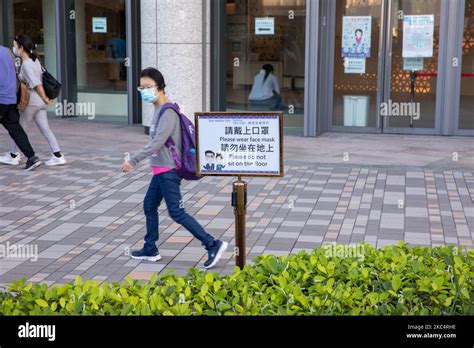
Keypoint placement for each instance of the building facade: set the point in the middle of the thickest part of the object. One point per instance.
(369, 66)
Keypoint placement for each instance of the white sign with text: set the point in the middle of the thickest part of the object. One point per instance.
(418, 34)
(236, 144)
(265, 26)
(99, 25)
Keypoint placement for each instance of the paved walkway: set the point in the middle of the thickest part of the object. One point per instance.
(84, 217)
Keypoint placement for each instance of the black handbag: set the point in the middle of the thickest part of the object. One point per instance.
(51, 86)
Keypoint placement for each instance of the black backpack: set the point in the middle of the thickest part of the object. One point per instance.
(51, 86)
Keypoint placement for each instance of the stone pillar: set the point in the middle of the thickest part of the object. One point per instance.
(176, 41)
(81, 47)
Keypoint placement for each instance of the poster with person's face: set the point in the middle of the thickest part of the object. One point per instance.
(356, 36)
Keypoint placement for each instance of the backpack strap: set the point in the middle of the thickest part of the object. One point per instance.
(169, 143)
(167, 106)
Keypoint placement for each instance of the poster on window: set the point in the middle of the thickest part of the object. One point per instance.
(265, 26)
(99, 24)
(418, 33)
(354, 65)
(413, 64)
(247, 144)
(356, 36)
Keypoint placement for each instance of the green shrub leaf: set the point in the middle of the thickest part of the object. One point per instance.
(394, 280)
(42, 303)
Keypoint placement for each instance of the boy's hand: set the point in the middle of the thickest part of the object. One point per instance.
(126, 167)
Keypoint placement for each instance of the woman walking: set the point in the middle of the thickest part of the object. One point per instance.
(31, 73)
(9, 116)
(165, 183)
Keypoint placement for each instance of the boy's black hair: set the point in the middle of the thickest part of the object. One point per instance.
(156, 76)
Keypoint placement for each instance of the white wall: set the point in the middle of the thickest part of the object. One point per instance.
(173, 42)
(105, 104)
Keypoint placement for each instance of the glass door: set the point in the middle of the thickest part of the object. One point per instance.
(35, 19)
(356, 33)
(413, 59)
(99, 74)
(265, 55)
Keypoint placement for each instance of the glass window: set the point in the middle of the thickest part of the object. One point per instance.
(100, 34)
(423, 91)
(356, 62)
(35, 19)
(266, 58)
(466, 110)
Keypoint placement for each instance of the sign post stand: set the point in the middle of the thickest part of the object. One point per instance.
(239, 144)
(412, 92)
(239, 202)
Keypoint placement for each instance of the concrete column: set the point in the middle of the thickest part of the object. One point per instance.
(176, 41)
(81, 47)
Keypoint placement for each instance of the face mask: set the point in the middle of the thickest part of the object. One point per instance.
(15, 52)
(148, 95)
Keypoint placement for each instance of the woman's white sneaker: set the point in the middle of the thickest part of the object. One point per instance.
(56, 161)
(8, 159)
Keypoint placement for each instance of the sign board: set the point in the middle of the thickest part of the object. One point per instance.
(356, 36)
(413, 64)
(354, 65)
(99, 24)
(418, 33)
(233, 144)
(264, 26)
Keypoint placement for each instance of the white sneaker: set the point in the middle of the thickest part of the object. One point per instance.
(8, 159)
(140, 255)
(55, 161)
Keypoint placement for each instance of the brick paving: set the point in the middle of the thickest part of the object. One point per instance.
(85, 217)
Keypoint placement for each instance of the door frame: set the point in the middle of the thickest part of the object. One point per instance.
(218, 64)
(3, 24)
(66, 55)
(328, 80)
(444, 95)
(441, 79)
(65, 51)
(457, 53)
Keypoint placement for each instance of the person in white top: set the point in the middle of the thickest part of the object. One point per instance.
(266, 90)
(31, 73)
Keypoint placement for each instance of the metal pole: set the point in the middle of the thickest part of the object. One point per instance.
(412, 93)
(239, 202)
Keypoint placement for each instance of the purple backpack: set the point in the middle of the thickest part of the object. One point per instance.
(186, 163)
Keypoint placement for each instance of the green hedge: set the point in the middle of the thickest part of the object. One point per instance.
(396, 280)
